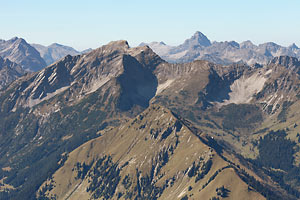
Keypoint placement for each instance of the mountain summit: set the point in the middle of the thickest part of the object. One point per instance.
(19, 51)
(197, 39)
(54, 52)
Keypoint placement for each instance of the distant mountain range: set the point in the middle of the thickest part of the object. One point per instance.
(199, 47)
(34, 57)
(55, 52)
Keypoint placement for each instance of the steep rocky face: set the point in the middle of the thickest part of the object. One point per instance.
(54, 52)
(9, 72)
(255, 96)
(286, 61)
(154, 156)
(113, 64)
(19, 51)
(52, 111)
(198, 47)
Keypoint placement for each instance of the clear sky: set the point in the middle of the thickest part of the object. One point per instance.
(92, 23)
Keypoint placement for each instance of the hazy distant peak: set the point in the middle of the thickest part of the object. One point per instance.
(269, 44)
(247, 44)
(293, 46)
(54, 52)
(56, 44)
(17, 40)
(14, 39)
(234, 44)
(19, 51)
(197, 39)
(199, 34)
(87, 50)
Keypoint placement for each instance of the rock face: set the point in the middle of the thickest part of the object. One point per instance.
(9, 72)
(111, 65)
(286, 61)
(19, 51)
(199, 47)
(52, 111)
(54, 52)
(48, 114)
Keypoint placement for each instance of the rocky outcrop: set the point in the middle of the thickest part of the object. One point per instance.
(9, 72)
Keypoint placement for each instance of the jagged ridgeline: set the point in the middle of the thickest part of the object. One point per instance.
(137, 149)
(199, 47)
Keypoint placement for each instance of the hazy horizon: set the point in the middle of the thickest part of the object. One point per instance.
(91, 24)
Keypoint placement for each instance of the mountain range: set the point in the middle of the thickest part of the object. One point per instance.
(199, 47)
(120, 122)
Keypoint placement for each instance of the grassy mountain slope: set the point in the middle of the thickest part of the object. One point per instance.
(154, 156)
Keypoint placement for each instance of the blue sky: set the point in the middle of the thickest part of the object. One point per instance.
(90, 23)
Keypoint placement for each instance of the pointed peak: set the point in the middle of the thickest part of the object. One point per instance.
(293, 46)
(247, 44)
(199, 34)
(269, 45)
(198, 39)
(234, 44)
(14, 39)
(162, 43)
(17, 40)
(248, 41)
